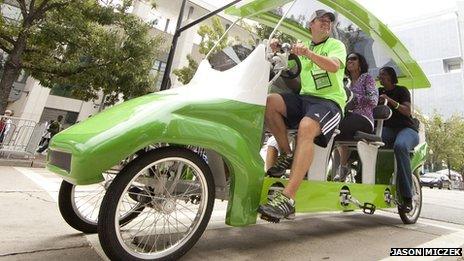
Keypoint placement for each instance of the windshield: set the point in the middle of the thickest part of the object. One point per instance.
(358, 29)
(345, 30)
(297, 15)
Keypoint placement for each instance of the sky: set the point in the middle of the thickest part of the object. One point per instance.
(392, 11)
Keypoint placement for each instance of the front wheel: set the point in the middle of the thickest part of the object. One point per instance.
(176, 187)
(413, 215)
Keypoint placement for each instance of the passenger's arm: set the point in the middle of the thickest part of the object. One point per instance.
(404, 107)
(370, 94)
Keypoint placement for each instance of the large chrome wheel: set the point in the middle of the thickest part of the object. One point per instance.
(176, 189)
(413, 215)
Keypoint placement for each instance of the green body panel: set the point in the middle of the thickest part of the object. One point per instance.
(313, 196)
(386, 163)
(419, 156)
(413, 77)
(234, 131)
(385, 167)
(255, 7)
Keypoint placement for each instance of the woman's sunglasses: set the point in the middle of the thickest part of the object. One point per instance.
(353, 58)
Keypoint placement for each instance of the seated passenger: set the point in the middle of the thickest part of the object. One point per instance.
(358, 114)
(399, 131)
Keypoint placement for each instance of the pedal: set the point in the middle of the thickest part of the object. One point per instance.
(269, 218)
(368, 208)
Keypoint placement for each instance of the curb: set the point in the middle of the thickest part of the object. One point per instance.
(22, 163)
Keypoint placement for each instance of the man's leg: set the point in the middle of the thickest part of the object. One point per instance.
(405, 141)
(303, 157)
(283, 204)
(275, 113)
(271, 157)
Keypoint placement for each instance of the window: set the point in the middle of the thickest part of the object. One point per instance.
(69, 117)
(190, 12)
(167, 25)
(158, 71)
(63, 90)
(452, 65)
(10, 13)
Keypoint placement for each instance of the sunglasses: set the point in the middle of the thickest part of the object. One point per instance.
(352, 58)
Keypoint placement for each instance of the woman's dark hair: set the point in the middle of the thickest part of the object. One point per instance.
(362, 63)
(391, 73)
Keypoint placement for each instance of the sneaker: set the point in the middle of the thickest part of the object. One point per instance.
(343, 172)
(284, 162)
(280, 206)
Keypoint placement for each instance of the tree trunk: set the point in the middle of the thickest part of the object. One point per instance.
(11, 71)
(10, 74)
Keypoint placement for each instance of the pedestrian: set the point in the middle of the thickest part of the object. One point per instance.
(5, 125)
(53, 129)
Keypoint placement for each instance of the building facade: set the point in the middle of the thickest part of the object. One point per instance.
(437, 43)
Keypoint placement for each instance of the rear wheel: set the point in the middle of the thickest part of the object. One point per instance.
(79, 205)
(176, 187)
(413, 215)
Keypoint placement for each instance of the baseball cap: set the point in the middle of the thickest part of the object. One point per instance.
(320, 13)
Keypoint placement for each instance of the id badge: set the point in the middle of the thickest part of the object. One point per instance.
(321, 79)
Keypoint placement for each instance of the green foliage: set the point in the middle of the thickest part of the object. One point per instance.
(185, 74)
(210, 35)
(445, 138)
(264, 31)
(87, 45)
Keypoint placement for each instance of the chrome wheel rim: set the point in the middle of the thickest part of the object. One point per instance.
(416, 199)
(173, 192)
(86, 200)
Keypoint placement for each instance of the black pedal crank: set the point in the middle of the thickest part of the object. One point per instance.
(368, 208)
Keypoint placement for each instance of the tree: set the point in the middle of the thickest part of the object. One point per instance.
(445, 138)
(185, 74)
(264, 31)
(210, 35)
(90, 46)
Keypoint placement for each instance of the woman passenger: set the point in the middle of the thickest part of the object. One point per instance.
(358, 115)
(400, 131)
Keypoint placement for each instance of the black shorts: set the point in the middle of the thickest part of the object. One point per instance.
(352, 123)
(326, 112)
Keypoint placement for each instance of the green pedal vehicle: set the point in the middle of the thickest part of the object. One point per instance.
(179, 150)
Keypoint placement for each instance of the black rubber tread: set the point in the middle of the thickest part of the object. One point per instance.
(68, 213)
(106, 227)
(404, 217)
(73, 219)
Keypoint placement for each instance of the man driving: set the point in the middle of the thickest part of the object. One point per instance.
(316, 111)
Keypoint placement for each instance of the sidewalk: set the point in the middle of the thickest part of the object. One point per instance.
(25, 235)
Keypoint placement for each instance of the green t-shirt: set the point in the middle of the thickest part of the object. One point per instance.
(319, 83)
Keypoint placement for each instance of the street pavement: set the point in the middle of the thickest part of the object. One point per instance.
(31, 228)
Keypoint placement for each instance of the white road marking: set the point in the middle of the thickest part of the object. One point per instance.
(51, 183)
(50, 186)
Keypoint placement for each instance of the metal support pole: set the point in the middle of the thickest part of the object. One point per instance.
(164, 83)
